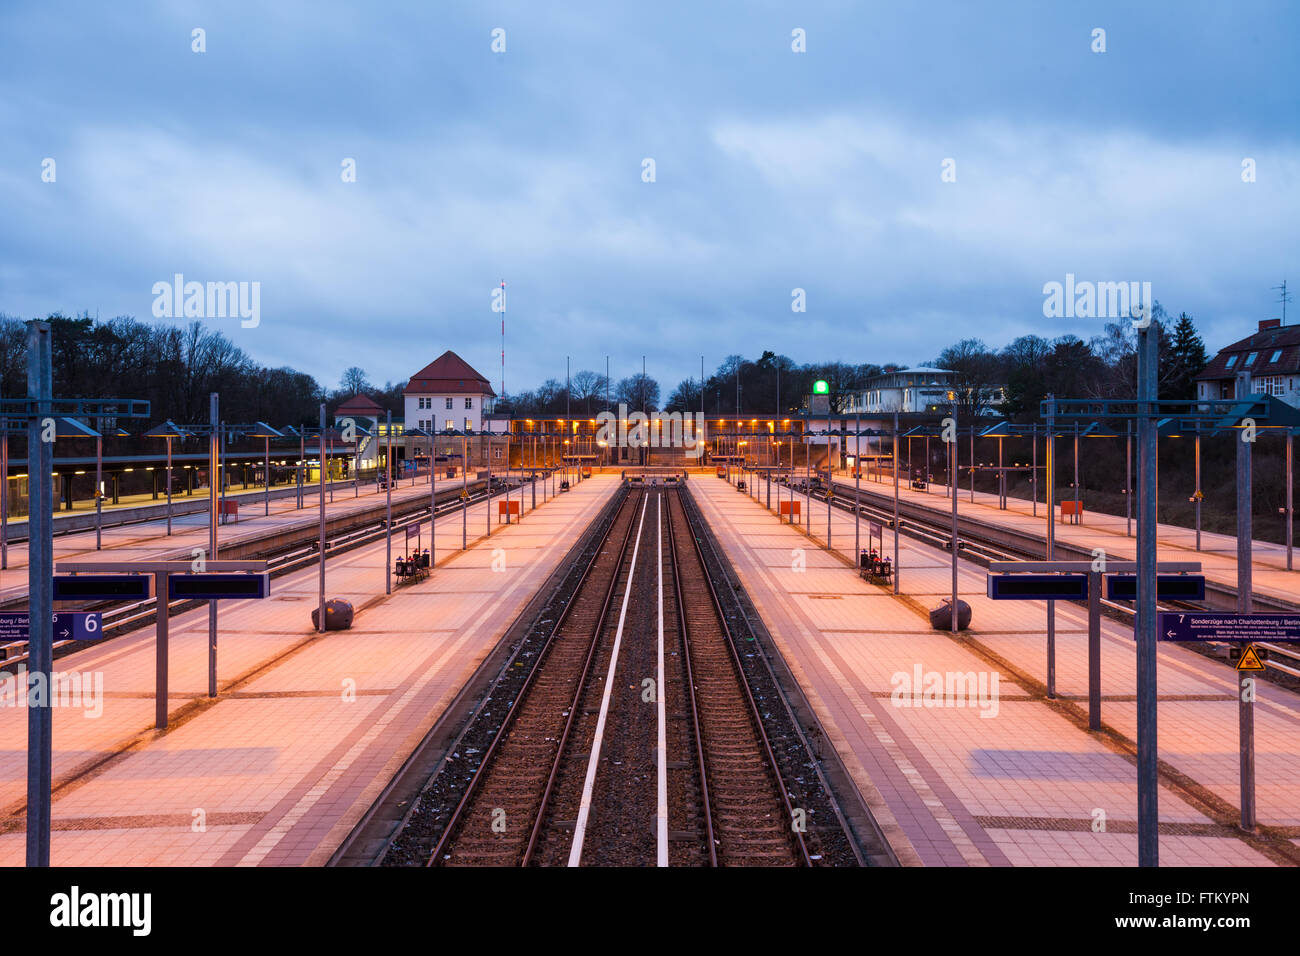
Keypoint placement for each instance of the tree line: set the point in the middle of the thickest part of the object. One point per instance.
(176, 367)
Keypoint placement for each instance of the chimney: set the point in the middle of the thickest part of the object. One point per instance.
(1269, 324)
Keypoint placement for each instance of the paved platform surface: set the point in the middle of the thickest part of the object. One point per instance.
(1218, 553)
(1026, 784)
(307, 728)
(148, 540)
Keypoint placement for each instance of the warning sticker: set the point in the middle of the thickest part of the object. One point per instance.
(1250, 660)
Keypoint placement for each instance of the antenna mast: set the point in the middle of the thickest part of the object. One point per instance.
(503, 340)
(1284, 297)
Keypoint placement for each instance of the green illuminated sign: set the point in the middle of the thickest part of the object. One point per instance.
(821, 387)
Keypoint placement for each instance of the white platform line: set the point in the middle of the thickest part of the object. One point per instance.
(584, 809)
(660, 694)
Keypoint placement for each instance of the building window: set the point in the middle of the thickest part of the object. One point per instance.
(1232, 360)
(1275, 357)
(496, 452)
(449, 403)
(1250, 359)
(469, 424)
(469, 403)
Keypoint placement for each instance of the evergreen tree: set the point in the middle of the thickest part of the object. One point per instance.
(1187, 359)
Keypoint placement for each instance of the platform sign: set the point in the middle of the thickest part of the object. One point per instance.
(216, 587)
(1169, 587)
(102, 587)
(1038, 587)
(1218, 626)
(68, 626)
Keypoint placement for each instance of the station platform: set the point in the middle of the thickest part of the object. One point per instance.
(149, 541)
(1218, 554)
(1005, 778)
(307, 728)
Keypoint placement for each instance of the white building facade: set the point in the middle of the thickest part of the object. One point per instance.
(914, 390)
(447, 395)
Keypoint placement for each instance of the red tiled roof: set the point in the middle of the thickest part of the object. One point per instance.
(361, 404)
(1284, 338)
(448, 374)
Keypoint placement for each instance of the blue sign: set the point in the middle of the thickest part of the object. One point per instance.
(1038, 587)
(68, 626)
(212, 587)
(1169, 587)
(1217, 626)
(102, 587)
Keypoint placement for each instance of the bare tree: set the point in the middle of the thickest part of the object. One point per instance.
(354, 381)
(587, 385)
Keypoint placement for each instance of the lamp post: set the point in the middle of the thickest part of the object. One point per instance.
(169, 431)
(952, 467)
(214, 413)
(897, 569)
(388, 503)
(4, 494)
(1050, 504)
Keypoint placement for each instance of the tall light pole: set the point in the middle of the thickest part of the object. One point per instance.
(1049, 499)
(388, 503)
(1245, 584)
(40, 584)
(1145, 628)
(897, 569)
(320, 603)
(214, 465)
(952, 471)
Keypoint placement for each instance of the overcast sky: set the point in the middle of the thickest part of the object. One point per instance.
(774, 170)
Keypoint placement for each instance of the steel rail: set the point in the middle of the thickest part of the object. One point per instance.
(683, 631)
(754, 713)
(471, 789)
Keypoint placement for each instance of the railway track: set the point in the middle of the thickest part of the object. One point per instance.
(634, 739)
(499, 819)
(744, 825)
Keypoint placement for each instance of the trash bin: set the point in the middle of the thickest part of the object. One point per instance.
(338, 615)
(941, 617)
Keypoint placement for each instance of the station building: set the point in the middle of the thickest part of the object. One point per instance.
(447, 395)
(917, 390)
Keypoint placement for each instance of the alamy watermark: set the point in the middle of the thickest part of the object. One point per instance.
(922, 688)
(652, 430)
(56, 689)
(213, 300)
(1095, 300)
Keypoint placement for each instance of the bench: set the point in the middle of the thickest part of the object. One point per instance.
(872, 567)
(507, 508)
(564, 486)
(414, 567)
